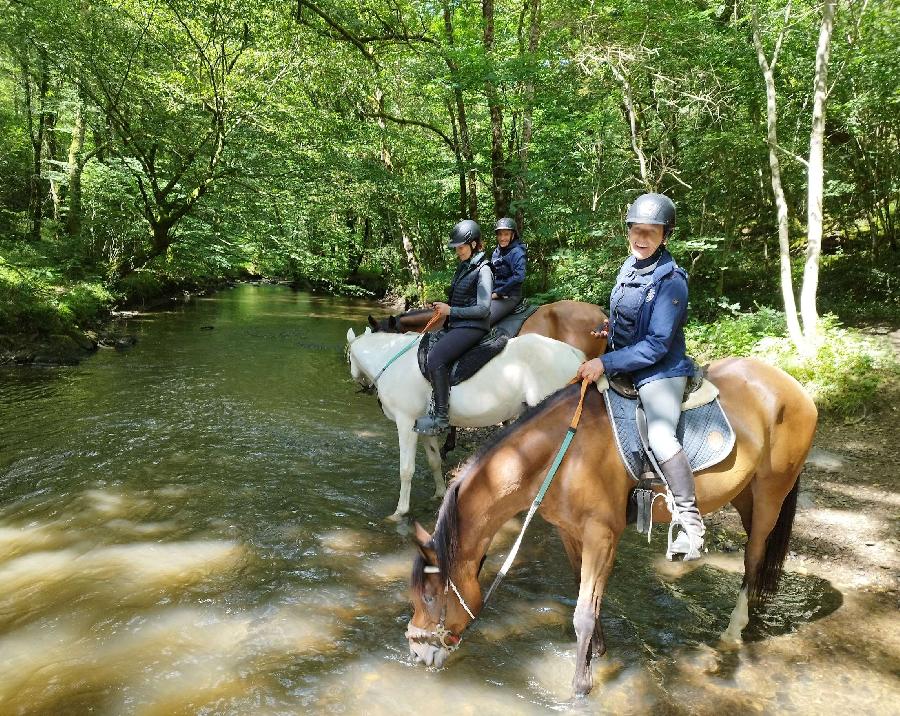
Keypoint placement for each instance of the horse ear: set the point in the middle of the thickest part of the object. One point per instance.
(351, 336)
(392, 322)
(373, 323)
(367, 332)
(421, 535)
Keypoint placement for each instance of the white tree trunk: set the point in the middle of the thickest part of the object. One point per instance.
(815, 178)
(787, 283)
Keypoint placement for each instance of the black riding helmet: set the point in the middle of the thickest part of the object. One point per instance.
(653, 209)
(507, 223)
(464, 232)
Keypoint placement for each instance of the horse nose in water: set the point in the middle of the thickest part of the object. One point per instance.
(428, 654)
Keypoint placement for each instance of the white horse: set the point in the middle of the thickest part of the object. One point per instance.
(528, 369)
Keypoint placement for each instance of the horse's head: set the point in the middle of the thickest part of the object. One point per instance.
(355, 371)
(385, 325)
(442, 606)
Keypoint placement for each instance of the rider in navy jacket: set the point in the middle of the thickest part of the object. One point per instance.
(509, 269)
(508, 263)
(648, 309)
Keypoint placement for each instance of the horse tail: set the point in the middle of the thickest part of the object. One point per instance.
(765, 581)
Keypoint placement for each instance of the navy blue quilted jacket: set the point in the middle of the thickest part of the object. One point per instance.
(654, 346)
(509, 269)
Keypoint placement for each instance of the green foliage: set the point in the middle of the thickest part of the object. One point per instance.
(84, 303)
(27, 305)
(862, 288)
(846, 373)
(584, 273)
(735, 334)
(258, 138)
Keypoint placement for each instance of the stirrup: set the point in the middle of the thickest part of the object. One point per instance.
(431, 425)
(687, 544)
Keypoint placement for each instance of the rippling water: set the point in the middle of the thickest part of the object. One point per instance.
(196, 526)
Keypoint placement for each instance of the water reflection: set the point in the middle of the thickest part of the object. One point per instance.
(195, 526)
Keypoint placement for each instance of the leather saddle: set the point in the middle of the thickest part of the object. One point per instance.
(474, 359)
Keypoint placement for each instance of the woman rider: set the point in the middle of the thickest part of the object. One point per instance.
(508, 262)
(648, 308)
(468, 315)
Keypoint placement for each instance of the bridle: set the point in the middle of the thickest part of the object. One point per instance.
(441, 632)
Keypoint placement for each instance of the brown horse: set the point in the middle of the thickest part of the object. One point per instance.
(774, 421)
(567, 321)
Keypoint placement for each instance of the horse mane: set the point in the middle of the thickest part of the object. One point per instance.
(445, 539)
(444, 542)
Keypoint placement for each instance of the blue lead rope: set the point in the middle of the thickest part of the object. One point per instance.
(539, 498)
(428, 325)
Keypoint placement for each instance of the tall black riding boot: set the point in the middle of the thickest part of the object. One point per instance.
(439, 422)
(680, 479)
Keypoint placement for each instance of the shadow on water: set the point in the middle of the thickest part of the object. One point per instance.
(196, 526)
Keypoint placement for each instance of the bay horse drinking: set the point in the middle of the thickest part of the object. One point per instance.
(527, 370)
(774, 421)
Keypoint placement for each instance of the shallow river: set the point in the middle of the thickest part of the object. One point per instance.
(196, 526)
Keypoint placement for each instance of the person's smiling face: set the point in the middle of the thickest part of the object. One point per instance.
(644, 239)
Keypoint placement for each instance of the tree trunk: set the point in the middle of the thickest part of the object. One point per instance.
(76, 167)
(815, 179)
(412, 262)
(784, 246)
(498, 162)
(465, 145)
(631, 114)
(51, 149)
(534, 35)
(36, 128)
(460, 167)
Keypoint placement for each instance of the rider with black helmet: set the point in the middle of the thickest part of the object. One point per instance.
(468, 313)
(508, 262)
(648, 310)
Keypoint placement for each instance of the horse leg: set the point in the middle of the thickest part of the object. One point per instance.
(596, 565)
(771, 515)
(433, 453)
(407, 437)
(573, 552)
(740, 616)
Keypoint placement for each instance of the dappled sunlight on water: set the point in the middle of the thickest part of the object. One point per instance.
(197, 527)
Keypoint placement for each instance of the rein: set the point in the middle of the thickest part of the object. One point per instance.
(539, 498)
(431, 321)
(441, 631)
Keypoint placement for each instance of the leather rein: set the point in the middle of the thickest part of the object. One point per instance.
(372, 387)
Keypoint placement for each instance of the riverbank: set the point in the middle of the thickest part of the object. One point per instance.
(61, 342)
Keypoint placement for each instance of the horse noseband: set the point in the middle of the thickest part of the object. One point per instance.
(442, 633)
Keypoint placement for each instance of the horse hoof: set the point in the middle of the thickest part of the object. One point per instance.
(582, 689)
(731, 640)
(396, 517)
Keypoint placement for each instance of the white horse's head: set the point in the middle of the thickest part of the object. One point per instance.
(355, 371)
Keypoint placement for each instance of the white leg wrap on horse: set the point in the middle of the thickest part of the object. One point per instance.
(740, 617)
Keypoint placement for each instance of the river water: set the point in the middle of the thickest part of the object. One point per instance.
(196, 526)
